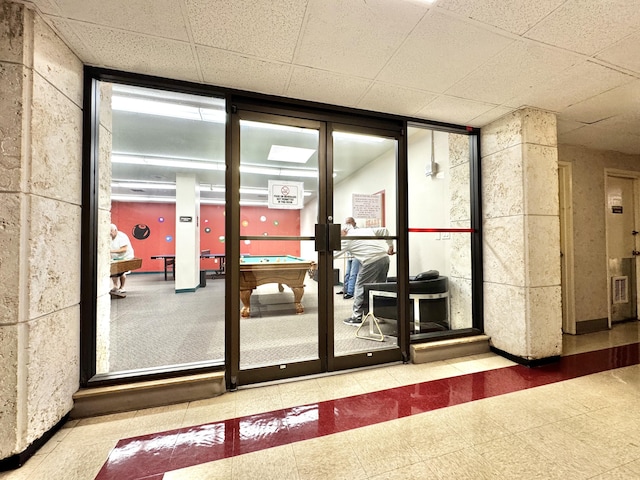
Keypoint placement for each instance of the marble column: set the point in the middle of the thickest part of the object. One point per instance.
(40, 204)
(521, 235)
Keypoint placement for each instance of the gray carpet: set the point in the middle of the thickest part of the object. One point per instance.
(155, 327)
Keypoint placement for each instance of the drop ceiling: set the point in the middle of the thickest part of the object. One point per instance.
(466, 62)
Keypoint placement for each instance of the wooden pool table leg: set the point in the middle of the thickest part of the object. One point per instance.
(298, 292)
(245, 297)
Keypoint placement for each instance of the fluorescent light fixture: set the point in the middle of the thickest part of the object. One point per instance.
(279, 172)
(275, 126)
(281, 153)
(143, 185)
(165, 109)
(168, 162)
(127, 98)
(356, 137)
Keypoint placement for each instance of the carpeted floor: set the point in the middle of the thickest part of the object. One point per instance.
(155, 327)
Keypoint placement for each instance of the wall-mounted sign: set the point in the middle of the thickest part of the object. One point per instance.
(616, 209)
(366, 206)
(286, 195)
(186, 219)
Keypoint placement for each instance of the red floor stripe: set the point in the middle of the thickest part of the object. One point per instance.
(152, 455)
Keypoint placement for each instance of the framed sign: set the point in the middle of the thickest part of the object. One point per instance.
(286, 195)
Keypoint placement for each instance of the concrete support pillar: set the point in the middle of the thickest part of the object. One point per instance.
(521, 235)
(187, 233)
(40, 204)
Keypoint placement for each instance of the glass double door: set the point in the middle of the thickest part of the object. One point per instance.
(295, 182)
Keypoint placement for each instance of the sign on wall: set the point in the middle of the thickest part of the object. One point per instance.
(286, 195)
(368, 207)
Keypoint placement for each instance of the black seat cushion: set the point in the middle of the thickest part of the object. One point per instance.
(433, 310)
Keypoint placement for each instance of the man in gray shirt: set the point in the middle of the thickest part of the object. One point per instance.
(373, 255)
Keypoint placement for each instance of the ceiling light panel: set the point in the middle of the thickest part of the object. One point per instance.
(281, 153)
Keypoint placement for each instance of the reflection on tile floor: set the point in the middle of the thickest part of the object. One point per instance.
(473, 417)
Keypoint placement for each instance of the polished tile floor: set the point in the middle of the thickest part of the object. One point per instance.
(474, 417)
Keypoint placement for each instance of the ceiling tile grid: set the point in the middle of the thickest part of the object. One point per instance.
(516, 16)
(227, 69)
(360, 39)
(588, 26)
(439, 52)
(262, 28)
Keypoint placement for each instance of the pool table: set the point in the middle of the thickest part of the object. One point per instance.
(258, 270)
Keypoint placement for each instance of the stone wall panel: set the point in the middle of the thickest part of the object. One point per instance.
(10, 219)
(57, 144)
(52, 369)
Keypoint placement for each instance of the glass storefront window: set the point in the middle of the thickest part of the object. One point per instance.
(439, 192)
(162, 184)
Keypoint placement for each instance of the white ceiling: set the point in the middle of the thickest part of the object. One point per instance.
(466, 62)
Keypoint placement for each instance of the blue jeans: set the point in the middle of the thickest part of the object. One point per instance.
(350, 276)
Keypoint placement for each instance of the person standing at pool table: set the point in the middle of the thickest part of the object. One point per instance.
(121, 249)
(373, 255)
(351, 269)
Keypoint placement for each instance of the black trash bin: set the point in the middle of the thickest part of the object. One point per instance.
(203, 278)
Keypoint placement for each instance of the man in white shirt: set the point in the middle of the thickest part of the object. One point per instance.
(373, 255)
(121, 249)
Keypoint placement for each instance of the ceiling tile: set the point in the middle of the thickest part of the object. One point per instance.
(47, 6)
(439, 52)
(138, 53)
(70, 37)
(326, 87)
(490, 116)
(588, 26)
(454, 110)
(572, 86)
(618, 101)
(227, 69)
(516, 16)
(144, 16)
(603, 139)
(386, 98)
(262, 28)
(355, 38)
(564, 125)
(521, 66)
(625, 53)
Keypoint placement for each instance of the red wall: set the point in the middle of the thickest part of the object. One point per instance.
(160, 219)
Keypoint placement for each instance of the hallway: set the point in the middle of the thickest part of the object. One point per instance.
(473, 417)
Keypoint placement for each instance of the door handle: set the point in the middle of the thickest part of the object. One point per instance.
(335, 236)
(635, 252)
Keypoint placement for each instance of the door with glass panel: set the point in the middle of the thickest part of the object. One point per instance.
(364, 200)
(275, 330)
(296, 181)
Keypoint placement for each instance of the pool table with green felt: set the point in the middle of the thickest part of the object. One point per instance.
(258, 270)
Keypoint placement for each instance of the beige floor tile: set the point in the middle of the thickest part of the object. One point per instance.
(218, 470)
(563, 449)
(470, 425)
(74, 461)
(416, 471)
(254, 405)
(462, 465)
(430, 435)
(272, 464)
(513, 458)
(202, 412)
(381, 448)
(620, 473)
(327, 457)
